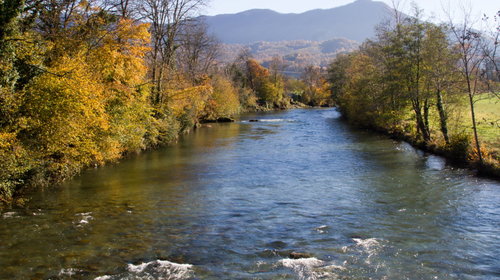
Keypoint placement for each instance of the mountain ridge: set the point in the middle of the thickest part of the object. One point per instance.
(315, 25)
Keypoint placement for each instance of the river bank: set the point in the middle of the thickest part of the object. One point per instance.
(453, 157)
(37, 178)
(456, 154)
(236, 200)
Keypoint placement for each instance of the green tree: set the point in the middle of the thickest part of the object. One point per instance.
(439, 68)
(468, 43)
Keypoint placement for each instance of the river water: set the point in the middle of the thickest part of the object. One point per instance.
(235, 201)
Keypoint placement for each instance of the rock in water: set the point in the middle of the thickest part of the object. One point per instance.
(296, 256)
(225, 120)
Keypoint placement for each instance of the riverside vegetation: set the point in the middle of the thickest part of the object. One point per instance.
(435, 86)
(83, 83)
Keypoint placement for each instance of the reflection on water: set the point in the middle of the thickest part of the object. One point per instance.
(243, 200)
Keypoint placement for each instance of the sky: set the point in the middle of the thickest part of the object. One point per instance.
(433, 9)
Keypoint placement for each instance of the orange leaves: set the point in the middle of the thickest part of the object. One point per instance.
(268, 90)
(257, 74)
(255, 70)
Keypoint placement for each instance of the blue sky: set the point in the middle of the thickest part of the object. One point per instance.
(432, 8)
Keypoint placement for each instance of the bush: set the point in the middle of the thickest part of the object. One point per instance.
(223, 101)
(248, 99)
(14, 163)
(459, 146)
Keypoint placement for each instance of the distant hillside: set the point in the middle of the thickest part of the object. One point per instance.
(295, 54)
(355, 21)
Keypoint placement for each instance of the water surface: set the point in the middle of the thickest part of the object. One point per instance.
(233, 201)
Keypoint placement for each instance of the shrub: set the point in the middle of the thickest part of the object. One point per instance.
(459, 146)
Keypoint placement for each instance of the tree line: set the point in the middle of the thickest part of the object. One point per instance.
(84, 82)
(416, 78)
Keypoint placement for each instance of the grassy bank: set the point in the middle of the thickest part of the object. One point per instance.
(460, 150)
(416, 83)
(488, 115)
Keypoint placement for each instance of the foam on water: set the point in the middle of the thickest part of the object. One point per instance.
(321, 229)
(137, 268)
(312, 268)
(367, 243)
(435, 163)
(105, 277)
(370, 246)
(331, 114)
(269, 120)
(273, 120)
(85, 218)
(304, 268)
(69, 272)
(162, 270)
(9, 215)
(37, 213)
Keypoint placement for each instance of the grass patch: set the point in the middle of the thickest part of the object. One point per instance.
(488, 120)
(487, 108)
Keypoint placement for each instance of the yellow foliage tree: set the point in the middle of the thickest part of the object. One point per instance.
(224, 100)
(119, 61)
(66, 116)
(14, 162)
(187, 102)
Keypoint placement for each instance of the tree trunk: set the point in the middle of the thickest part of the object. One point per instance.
(421, 127)
(443, 118)
(426, 118)
(473, 114)
(474, 127)
(158, 86)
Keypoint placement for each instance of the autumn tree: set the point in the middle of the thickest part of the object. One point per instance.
(276, 67)
(167, 17)
(270, 93)
(9, 16)
(317, 89)
(14, 159)
(337, 77)
(81, 95)
(223, 101)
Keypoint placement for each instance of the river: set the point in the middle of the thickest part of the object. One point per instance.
(235, 201)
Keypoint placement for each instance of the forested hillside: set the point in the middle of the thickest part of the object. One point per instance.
(295, 54)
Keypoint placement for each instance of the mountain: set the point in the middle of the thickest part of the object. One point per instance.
(355, 21)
